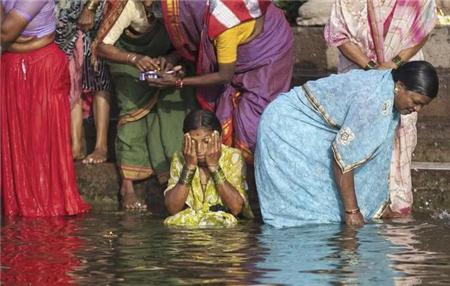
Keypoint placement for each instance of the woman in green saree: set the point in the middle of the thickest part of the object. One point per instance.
(132, 38)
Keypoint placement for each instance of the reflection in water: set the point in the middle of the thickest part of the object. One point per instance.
(136, 249)
(45, 246)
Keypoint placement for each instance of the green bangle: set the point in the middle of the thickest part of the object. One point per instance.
(398, 61)
(370, 65)
(186, 176)
(219, 176)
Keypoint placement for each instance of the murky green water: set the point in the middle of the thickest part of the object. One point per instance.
(136, 249)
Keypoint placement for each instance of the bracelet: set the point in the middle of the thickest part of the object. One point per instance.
(398, 61)
(219, 176)
(186, 176)
(179, 84)
(354, 211)
(131, 58)
(92, 5)
(370, 65)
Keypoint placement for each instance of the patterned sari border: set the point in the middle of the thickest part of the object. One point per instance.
(315, 104)
(248, 155)
(382, 209)
(113, 13)
(341, 163)
(172, 19)
(139, 113)
(135, 173)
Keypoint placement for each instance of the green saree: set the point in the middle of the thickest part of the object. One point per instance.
(150, 122)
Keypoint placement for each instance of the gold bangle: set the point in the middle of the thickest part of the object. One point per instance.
(370, 65)
(92, 5)
(398, 61)
(354, 211)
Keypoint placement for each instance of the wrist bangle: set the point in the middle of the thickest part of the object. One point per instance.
(179, 84)
(398, 61)
(186, 176)
(354, 211)
(92, 5)
(219, 176)
(370, 65)
(131, 58)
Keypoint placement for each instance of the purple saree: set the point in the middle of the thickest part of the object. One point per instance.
(263, 68)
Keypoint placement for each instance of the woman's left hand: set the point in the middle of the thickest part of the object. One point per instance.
(214, 152)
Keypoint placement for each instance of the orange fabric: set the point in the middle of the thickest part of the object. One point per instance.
(227, 42)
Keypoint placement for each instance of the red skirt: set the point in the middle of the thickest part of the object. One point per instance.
(37, 171)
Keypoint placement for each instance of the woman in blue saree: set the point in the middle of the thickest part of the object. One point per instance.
(324, 149)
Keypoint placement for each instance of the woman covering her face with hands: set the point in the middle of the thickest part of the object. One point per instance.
(207, 179)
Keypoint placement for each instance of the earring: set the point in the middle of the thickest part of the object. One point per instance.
(396, 89)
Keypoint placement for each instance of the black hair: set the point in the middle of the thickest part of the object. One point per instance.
(419, 77)
(202, 118)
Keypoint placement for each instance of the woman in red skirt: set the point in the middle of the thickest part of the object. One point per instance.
(37, 172)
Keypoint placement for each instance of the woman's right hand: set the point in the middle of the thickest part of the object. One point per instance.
(354, 219)
(189, 153)
(145, 63)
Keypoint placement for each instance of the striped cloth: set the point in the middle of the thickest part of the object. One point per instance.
(226, 14)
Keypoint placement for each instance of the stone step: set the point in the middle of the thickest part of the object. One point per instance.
(433, 141)
(99, 185)
(431, 184)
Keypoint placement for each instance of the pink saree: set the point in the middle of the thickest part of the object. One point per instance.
(382, 29)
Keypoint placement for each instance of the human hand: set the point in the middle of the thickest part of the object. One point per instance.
(354, 219)
(386, 66)
(145, 63)
(213, 152)
(86, 20)
(164, 64)
(164, 80)
(189, 153)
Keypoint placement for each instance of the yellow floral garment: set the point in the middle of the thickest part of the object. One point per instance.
(198, 213)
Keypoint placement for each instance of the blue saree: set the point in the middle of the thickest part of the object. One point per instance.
(349, 117)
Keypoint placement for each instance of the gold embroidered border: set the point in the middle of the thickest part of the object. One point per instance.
(341, 163)
(113, 13)
(382, 209)
(315, 104)
(173, 15)
(139, 113)
(135, 172)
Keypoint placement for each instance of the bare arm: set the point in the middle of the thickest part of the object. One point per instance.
(176, 197)
(12, 26)
(354, 53)
(231, 197)
(228, 193)
(406, 55)
(224, 75)
(114, 54)
(346, 187)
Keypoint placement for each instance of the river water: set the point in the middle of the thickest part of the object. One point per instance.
(119, 248)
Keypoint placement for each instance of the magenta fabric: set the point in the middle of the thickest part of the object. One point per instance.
(263, 70)
(39, 13)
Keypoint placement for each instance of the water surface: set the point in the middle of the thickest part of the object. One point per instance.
(116, 248)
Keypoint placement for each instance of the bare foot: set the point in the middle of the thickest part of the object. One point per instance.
(128, 197)
(96, 157)
(77, 154)
(389, 213)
